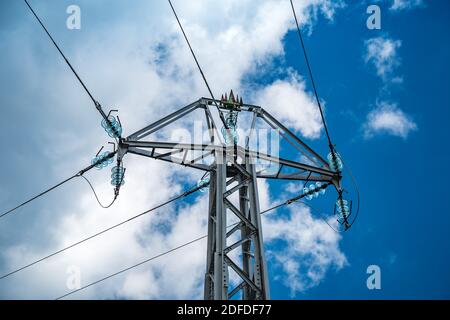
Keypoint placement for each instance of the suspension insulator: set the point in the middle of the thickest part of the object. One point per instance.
(230, 135)
(313, 191)
(342, 208)
(319, 187)
(117, 175)
(114, 129)
(101, 161)
(307, 193)
(335, 162)
(203, 184)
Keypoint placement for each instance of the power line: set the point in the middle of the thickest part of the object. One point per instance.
(96, 197)
(312, 78)
(39, 195)
(167, 252)
(78, 174)
(132, 267)
(96, 103)
(358, 196)
(164, 253)
(295, 199)
(298, 199)
(321, 113)
(128, 220)
(199, 67)
(184, 194)
(289, 201)
(138, 264)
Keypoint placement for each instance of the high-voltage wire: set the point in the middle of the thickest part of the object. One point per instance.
(289, 201)
(96, 197)
(170, 251)
(132, 267)
(96, 103)
(78, 174)
(184, 194)
(139, 264)
(39, 195)
(358, 196)
(295, 199)
(330, 144)
(312, 78)
(222, 118)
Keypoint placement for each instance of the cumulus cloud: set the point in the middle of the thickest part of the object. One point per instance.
(388, 118)
(382, 53)
(288, 101)
(311, 248)
(136, 59)
(398, 5)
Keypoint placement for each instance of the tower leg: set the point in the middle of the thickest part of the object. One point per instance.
(251, 267)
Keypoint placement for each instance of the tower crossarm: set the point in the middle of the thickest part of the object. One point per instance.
(194, 155)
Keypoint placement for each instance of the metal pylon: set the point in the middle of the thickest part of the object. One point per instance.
(226, 181)
(235, 241)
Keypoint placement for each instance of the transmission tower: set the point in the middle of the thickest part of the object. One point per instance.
(232, 171)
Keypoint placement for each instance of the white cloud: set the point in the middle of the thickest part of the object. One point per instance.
(294, 187)
(288, 101)
(146, 71)
(382, 53)
(312, 248)
(388, 118)
(398, 5)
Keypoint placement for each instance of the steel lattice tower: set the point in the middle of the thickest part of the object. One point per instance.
(232, 172)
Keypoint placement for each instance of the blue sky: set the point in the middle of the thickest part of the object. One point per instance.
(386, 101)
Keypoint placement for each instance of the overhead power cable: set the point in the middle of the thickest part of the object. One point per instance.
(312, 78)
(184, 194)
(330, 144)
(287, 202)
(132, 267)
(138, 264)
(298, 199)
(96, 103)
(168, 251)
(96, 197)
(295, 199)
(39, 195)
(78, 174)
(222, 118)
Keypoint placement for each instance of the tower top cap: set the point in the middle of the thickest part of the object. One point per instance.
(231, 99)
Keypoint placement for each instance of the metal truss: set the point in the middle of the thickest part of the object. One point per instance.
(233, 193)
